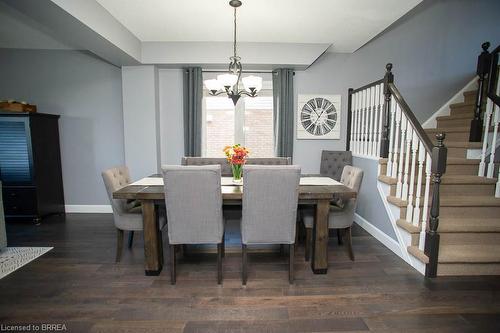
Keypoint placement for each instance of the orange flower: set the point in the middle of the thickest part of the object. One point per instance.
(236, 154)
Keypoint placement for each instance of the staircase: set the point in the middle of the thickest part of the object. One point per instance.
(469, 217)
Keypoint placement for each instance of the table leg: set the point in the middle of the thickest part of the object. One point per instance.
(319, 262)
(152, 256)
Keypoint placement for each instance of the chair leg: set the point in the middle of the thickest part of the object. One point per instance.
(219, 263)
(172, 265)
(130, 239)
(119, 244)
(282, 250)
(349, 243)
(308, 244)
(244, 264)
(340, 236)
(291, 248)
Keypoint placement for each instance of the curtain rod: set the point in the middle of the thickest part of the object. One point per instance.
(256, 72)
(222, 71)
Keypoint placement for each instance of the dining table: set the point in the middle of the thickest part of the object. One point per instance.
(313, 190)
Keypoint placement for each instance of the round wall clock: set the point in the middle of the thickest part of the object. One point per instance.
(318, 117)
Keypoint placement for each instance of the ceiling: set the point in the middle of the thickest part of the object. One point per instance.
(346, 24)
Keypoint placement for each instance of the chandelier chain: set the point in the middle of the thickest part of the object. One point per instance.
(234, 43)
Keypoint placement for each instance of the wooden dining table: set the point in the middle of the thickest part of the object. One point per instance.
(153, 196)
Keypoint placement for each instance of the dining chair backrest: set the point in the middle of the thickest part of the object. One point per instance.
(270, 198)
(226, 168)
(352, 177)
(194, 204)
(333, 163)
(114, 179)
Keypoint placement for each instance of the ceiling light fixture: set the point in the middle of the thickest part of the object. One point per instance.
(228, 83)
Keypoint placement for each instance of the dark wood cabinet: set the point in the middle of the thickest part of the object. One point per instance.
(30, 165)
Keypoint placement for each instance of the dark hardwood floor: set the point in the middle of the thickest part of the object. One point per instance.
(78, 284)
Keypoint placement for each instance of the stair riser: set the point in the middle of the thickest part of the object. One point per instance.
(462, 212)
(455, 190)
(457, 152)
(469, 112)
(450, 123)
(471, 238)
(468, 269)
(470, 98)
(462, 169)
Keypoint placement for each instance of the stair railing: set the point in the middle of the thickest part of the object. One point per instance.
(381, 124)
(491, 116)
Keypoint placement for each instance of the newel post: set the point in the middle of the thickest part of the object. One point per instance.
(483, 67)
(438, 168)
(349, 120)
(384, 141)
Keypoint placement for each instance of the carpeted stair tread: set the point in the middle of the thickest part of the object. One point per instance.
(408, 226)
(454, 201)
(449, 161)
(489, 253)
(456, 117)
(453, 225)
(447, 179)
(420, 255)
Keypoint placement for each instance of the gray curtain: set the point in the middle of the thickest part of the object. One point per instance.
(283, 112)
(193, 94)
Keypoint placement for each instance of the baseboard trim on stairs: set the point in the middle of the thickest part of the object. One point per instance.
(383, 238)
(445, 109)
(88, 209)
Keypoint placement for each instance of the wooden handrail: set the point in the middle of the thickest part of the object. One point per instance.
(369, 85)
(411, 118)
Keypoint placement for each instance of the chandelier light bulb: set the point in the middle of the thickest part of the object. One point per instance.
(252, 83)
(227, 80)
(212, 85)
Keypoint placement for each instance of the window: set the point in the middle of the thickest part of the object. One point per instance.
(250, 123)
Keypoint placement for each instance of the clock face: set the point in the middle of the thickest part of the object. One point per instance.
(318, 116)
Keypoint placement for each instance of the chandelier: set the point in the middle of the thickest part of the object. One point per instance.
(229, 83)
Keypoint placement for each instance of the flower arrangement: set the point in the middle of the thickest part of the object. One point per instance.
(236, 156)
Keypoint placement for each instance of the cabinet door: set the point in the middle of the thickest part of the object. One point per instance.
(16, 161)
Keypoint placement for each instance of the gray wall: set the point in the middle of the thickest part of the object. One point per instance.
(434, 50)
(370, 205)
(87, 93)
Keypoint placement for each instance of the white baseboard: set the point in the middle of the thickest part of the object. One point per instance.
(88, 209)
(390, 243)
(445, 109)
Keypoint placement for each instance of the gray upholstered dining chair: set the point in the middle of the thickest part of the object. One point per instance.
(333, 163)
(226, 168)
(127, 215)
(270, 198)
(341, 214)
(193, 200)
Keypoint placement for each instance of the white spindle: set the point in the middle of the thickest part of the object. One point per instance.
(423, 226)
(395, 154)
(380, 118)
(390, 156)
(414, 149)
(353, 124)
(363, 122)
(399, 184)
(421, 160)
(409, 137)
(356, 125)
(371, 150)
(487, 117)
(491, 164)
